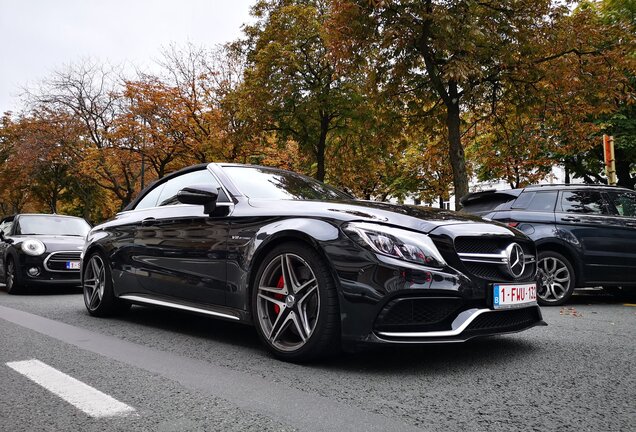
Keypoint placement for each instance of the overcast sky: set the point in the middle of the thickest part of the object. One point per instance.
(39, 36)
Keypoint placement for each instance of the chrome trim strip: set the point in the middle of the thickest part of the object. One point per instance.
(460, 323)
(46, 262)
(176, 306)
(479, 255)
(491, 258)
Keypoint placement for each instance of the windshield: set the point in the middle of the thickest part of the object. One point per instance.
(52, 225)
(265, 183)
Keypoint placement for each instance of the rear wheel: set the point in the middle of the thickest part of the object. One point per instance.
(99, 297)
(295, 304)
(12, 278)
(556, 279)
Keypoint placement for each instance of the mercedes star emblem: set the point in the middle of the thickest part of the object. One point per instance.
(516, 260)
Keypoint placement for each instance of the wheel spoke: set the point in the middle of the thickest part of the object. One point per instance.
(289, 274)
(561, 289)
(561, 270)
(94, 298)
(299, 328)
(280, 324)
(280, 304)
(274, 290)
(95, 268)
(304, 320)
(308, 286)
(307, 294)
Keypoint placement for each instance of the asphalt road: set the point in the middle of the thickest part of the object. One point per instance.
(182, 372)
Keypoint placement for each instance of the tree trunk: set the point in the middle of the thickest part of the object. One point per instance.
(456, 151)
(320, 148)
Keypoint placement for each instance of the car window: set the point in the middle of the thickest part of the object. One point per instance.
(624, 203)
(536, 201)
(168, 195)
(52, 225)
(273, 184)
(490, 203)
(150, 199)
(588, 202)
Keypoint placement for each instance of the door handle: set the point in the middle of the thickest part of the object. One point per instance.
(570, 219)
(149, 221)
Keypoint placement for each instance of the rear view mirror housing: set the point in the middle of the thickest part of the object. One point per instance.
(204, 195)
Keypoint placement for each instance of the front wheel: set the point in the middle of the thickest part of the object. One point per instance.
(295, 304)
(97, 285)
(556, 279)
(12, 278)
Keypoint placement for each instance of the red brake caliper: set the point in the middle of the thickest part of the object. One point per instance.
(280, 284)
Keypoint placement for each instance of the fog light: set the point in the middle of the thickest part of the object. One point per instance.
(33, 271)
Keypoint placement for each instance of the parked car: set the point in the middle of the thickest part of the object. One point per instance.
(41, 249)
(308, 265)
(585, 234)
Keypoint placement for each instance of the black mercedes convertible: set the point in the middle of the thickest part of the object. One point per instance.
(313, 269)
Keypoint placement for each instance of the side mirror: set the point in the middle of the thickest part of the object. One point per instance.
(4, 239)
(204, 195)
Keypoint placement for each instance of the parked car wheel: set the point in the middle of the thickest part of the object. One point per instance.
(295, 304)
(13, 281)
(99, 297)
(556, 279)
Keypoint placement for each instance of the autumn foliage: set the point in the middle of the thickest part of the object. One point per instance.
(400, 99)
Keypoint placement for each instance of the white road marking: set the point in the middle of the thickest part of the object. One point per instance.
(82, 396)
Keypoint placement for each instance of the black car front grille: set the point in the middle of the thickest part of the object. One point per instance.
(505, 320)
(478, 245)
(57, 261)
(492, 271)
(418, 314)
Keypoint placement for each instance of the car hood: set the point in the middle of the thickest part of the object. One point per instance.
(55, 242)
(423, 219)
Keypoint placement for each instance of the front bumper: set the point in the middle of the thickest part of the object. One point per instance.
(469, 324)
(388, 301)
(46, 275)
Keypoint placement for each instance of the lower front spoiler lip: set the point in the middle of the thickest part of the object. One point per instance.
(460, 330)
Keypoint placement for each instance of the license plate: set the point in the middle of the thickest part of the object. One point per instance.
(511, 295)
(72, 265)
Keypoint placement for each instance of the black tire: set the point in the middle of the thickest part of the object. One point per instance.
(317, 317)
(97, 288)
(13, 280)
(552, 290)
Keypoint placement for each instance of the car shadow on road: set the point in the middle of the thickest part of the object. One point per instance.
(485, 351)
(192, 325)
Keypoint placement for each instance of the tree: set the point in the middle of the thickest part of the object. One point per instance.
(463, 54)
(88, 92)
(290, 83)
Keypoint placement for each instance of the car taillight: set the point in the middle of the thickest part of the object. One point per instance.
(513, 224)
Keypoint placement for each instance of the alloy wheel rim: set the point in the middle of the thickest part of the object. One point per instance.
(555, 279)
(10, 274)
(288, 302)
(94, 283)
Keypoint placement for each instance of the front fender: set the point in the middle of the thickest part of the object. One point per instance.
(245, 257)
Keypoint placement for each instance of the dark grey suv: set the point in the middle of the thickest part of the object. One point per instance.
(585, 234)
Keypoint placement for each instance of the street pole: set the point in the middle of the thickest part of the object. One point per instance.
(610, 161)
(143, 170)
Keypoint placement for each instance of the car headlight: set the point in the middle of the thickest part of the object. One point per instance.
(397, 243)
(33, 247)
